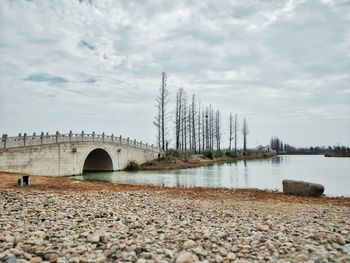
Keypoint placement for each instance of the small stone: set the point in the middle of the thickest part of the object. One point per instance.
(186, 257)
(200, 251)
(231, 256)
(218, 258)
(234, 248)
(10, 239)
(189, 244)
(94, 238)
(36, 260)
(263, 227)
(339, 239)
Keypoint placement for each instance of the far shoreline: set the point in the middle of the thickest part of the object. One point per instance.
(199, 160)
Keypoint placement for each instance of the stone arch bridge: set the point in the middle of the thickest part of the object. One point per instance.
(71, 154)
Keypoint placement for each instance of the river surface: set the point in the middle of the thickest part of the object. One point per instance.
(333, 173)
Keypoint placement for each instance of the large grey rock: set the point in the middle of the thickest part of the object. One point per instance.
(302, 188)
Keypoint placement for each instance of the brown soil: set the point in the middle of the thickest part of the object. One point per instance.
(64, 184)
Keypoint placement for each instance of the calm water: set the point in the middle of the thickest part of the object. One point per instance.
(333, 173)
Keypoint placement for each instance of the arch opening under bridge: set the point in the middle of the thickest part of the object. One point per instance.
(98, 160)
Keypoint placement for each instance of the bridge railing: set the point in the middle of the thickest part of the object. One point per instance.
(42, 139)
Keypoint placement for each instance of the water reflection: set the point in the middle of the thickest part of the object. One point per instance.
(263, 174)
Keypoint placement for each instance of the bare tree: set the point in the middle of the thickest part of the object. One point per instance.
(245, 132)
(218, 130)
(163, 115)
(184, 124)
(199, 127)
(193, 119)
(230, 132)
(178, 116)
(236, 130)
(207, 145)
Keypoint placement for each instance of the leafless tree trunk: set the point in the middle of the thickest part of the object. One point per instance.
(189, 127)
(163, 116)
(207, 139)
(193, 111)
(230, 132)
(245, 132)
(199, 128)
(204, 125)
(211, 123)
(178, 116)
(236, 130)
(218, 130)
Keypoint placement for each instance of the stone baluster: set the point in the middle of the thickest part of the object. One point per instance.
(57, 135)
(135, 142)
(19, 139)
(112, 136)
(120, 139)
(93, 136)
(127, 141)
(24, 139)
(82, 136)
(146, 145)
(41, 138)
(70, 136)
(103, 136)
(4, 139)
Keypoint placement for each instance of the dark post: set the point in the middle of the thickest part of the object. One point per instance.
(93, 136)
(120, 139)
(112, 136)
(70, 136)
(41, 138)
(103, 136)
(57, 134)
(127, 140)
(82, 136)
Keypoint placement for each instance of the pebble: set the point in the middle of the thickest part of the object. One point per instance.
(145, 227)
(186, 257)
(189, 244)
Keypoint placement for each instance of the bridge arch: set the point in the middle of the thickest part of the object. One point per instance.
(97, 160)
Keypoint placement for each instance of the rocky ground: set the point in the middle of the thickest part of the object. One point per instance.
(156, 225)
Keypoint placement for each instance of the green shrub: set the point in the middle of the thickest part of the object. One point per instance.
(132, 166)
(209, 154)
(218, 154)
(231, 154)
(173, 153)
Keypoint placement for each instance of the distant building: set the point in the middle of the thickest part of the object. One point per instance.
(263, 149)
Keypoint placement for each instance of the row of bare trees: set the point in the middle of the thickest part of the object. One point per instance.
(198, 128)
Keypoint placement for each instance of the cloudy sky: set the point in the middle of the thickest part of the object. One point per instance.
(96, 65)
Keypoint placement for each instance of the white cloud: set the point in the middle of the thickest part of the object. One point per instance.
(96, 65)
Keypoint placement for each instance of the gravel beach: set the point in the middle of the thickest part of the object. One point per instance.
(145, 224)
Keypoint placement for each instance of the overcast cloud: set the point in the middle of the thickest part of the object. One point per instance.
(96, 65)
